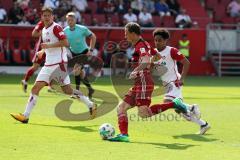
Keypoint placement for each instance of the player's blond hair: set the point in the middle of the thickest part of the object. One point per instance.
(71, 14)
(47, 9)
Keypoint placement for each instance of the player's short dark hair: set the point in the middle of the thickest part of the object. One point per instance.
(161, 32)
(133, 27)
(47, 9)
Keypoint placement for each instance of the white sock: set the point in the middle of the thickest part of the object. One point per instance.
(30, 105)
(83, 98)
(191, 118)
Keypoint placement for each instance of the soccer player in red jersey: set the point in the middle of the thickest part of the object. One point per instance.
(140, 94)
(38, 59)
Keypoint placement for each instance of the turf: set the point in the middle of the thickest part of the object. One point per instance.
(47, 137)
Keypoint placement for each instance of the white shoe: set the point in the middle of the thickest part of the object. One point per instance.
(195, 111)
(204, 128)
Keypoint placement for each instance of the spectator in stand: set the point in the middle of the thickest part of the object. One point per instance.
(234, 8)
(51, 3)
(15, 14)
(183, 20)
(24, 22)
(129, 17)
(109, 7)
(95, 22)
(162, 8)
(145, 18)
(173, 6)
(149, 5)
(66, 5)
(3, 15)
(31, 13)
(77, 14)
(109, 22)
(63, 22)
(136, 6)
(81, 5)
(121, 7)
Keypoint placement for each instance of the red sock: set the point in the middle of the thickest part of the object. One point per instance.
(29, 73)
(157, 108)
(123, 123)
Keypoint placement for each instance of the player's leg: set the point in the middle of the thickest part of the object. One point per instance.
(67, 89)
(28, 74)
(194, 115)
(89, 86)
(122, 109)
(32, 100)
(77, 81)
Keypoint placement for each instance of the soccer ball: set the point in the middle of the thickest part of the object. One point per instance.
(106, 131)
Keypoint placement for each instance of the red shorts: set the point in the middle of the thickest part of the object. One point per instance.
(140, 94)
(38, 60)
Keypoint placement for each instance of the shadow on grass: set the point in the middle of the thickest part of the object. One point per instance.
(195, 137)
(77, 128)
(175, 146)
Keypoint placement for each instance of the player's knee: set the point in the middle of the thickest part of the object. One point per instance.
(35, 90)
(68, 90)
(122, 108)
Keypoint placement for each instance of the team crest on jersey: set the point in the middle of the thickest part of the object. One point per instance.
(142, 50)
(61, 33)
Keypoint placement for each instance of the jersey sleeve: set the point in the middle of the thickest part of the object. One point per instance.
(86, 32)
(176, 55)
(58, 32)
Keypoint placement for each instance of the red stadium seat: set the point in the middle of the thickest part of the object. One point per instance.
(101, 18)
(156, 21)
(87, 18)
(168, 21)
(2, 59)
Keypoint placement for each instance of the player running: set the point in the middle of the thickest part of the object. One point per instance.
(38, 58)
(140, 94)
(55, 67)
(77, 35)
(172, 79)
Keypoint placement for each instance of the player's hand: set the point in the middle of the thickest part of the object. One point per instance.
(133, 75)
(39, 26)
(178, 83)
(44, 46)
(40, 53)
(89, 53)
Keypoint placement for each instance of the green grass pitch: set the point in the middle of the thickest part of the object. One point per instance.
(46, 137)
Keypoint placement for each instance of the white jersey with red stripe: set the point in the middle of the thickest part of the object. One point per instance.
(170, 56)
(52, 34)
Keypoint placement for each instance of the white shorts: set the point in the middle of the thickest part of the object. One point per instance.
(57, 73)
(172, 92)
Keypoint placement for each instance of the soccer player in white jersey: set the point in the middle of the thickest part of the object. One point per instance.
(55, 67)
(172, 79)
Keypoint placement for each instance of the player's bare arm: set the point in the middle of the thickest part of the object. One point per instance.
(93, 39)
(61, 43)
(186, 66)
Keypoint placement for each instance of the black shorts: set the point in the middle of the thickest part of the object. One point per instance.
(82, 53)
